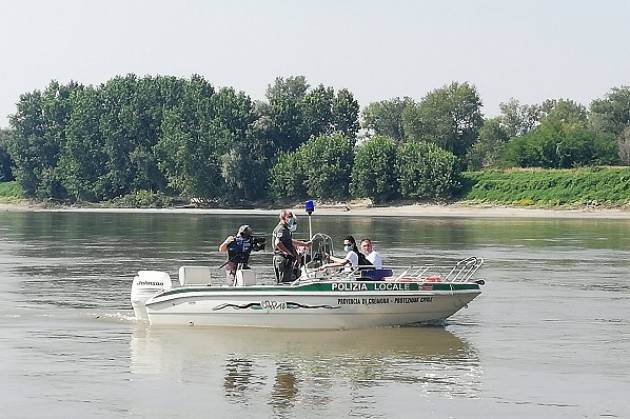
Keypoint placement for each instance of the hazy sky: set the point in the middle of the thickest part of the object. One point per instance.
(530, 50)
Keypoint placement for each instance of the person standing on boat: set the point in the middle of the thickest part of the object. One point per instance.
(285, 254)
(239, 248)
(370, 254)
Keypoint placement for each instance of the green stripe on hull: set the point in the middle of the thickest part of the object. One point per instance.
(339, 286)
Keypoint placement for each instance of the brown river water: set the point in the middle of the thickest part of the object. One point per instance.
(549, 336)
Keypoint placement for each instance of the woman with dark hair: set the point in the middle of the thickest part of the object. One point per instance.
(353, 258)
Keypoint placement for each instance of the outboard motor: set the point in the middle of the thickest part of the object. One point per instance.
(145, 285)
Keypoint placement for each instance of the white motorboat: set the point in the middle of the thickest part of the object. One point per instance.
(316, 300)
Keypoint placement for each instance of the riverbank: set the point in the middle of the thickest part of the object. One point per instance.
(417, 210)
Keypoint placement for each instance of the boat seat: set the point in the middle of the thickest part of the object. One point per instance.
(194, 275)
(375, 274)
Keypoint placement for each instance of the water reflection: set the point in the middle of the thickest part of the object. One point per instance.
(240, 378)
(315, 368)
(285, 388)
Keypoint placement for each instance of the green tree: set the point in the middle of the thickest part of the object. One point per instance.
(317, 112)
(39, 135)
(386, 117)
(374, 171)
(295, 114)
(426, 171)
(244, 157)
(188, 154)
(6, 162)
(611, 115)
(82, 164)
(119, 124)
(287, 179)
(517, 119)
(623, 143)
(320, 169)
(558, 144)
(285, 112)
(565, 111)
(449, 117)
(244, 176)
(488, 149)
(346, 115)
(327, 161)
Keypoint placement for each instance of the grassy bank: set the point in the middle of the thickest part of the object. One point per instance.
(10, 192)
(584, 187)
(609, 186)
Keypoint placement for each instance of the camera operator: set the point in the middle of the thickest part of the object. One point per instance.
(239, 248)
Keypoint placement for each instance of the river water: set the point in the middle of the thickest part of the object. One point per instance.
(548, 337)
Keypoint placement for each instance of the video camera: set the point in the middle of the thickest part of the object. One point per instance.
(258, 243)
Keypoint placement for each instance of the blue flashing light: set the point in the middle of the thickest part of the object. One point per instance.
(309, 207)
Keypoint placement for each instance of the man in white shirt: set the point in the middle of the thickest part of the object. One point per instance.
(370, 254)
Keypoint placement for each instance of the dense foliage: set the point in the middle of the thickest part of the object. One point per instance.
(426, 171)
(143, 141)
(449, 117)
(320, 167)
(6, 162)
(165, 135)
(374, 174)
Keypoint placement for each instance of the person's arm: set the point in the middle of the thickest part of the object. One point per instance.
(223, 247)
(336, 262)
(333, 265)
(301, 243)
(343, 261)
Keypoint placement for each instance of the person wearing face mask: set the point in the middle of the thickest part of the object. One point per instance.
(285, 254)
(353, 258)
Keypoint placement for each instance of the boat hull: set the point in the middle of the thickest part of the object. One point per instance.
(323, 305)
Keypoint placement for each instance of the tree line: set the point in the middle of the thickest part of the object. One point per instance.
(184, 137)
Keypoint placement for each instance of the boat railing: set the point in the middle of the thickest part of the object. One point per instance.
(462, 271)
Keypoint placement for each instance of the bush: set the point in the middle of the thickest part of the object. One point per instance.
(11, 191)
(426, 171)
(558, 144)
(374, 173)
(320, 169)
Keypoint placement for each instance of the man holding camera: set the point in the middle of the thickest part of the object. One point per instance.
(239, 248)
(285, 254)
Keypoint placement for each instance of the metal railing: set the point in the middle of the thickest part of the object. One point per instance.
(462, 271)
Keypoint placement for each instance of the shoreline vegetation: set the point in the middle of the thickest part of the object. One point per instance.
(168, 142)
(587, 192)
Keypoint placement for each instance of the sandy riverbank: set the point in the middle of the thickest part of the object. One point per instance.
(454, 210)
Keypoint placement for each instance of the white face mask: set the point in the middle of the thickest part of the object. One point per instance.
(347, 247)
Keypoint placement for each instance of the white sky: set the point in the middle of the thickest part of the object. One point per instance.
(531, 50)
